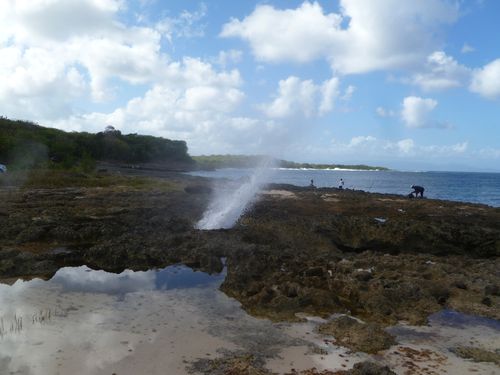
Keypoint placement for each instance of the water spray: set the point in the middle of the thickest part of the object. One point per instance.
(230, 202)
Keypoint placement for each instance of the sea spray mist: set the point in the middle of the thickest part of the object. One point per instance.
(231, 200)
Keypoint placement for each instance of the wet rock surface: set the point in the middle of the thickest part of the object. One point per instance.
(233, 364)
(478, 354)
(324, 252)
(382, 258)
(361, 337)
(362, 368)
(248, 364)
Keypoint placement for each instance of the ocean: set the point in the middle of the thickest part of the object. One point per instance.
(457, 186)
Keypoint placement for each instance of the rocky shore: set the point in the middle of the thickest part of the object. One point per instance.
(380, 258)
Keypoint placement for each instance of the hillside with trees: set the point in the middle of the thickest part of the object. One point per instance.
(25, 145)
(250, 161)
(210, 162)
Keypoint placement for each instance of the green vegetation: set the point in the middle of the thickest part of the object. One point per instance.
(24, 145)
(57, 178)
(209, 162)
(291, 164)
(249, 161)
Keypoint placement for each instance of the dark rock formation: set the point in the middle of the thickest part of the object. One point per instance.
(362, 368)
(382, 258)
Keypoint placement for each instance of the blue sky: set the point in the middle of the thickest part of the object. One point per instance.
(404, 84)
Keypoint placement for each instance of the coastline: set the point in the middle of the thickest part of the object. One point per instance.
(379, 258)
(480, 188)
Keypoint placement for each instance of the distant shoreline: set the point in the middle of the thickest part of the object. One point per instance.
(211, 162)
(333, 169)
(302, 169)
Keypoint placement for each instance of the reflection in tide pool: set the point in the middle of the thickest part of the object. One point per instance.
(82, 321)
(83, 279)
(153, 322)
(158, 322)
(458, 320)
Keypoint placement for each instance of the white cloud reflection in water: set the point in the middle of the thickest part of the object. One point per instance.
(82, 321)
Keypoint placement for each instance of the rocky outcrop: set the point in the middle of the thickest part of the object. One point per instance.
(252, 365)
(478, 354)
(230, 365)
(379, 257)
(382, 258)
(360, 337)
(362, 368)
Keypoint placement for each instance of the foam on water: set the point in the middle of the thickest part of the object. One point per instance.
(230, 200)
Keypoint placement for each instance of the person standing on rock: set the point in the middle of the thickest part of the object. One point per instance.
(341, 184)
(418, 190)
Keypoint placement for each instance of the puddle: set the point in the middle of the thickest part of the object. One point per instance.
(84, 321)
(455, 319)
(84, 279)
(152, 322)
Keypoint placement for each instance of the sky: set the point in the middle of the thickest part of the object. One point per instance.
(411, 85)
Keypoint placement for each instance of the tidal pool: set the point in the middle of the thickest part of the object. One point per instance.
(84, 321)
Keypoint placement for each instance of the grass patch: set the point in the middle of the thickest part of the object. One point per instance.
(50, 179)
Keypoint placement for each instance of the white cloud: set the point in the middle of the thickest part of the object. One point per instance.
(57, 55)
(370, 146)
(59, 45)
(383, 112)
(294, 96)
(416, 113)
(489, 153)
(406, 145)
(367, 42)
(441, 72)
(486, 80)
(467, 48)
(195, 72)
(49, 61)
(133, 57)
(192, 101)
(359, 140)
(458, 148)
(303, 97)
(272, 32)
(211, 98)
(329, 91)
(34, 82)
(185, 25)
(53, 52)
(231, 56)
(45, 21)
(349, 91)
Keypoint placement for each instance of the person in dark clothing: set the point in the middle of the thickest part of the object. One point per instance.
(418, 190)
